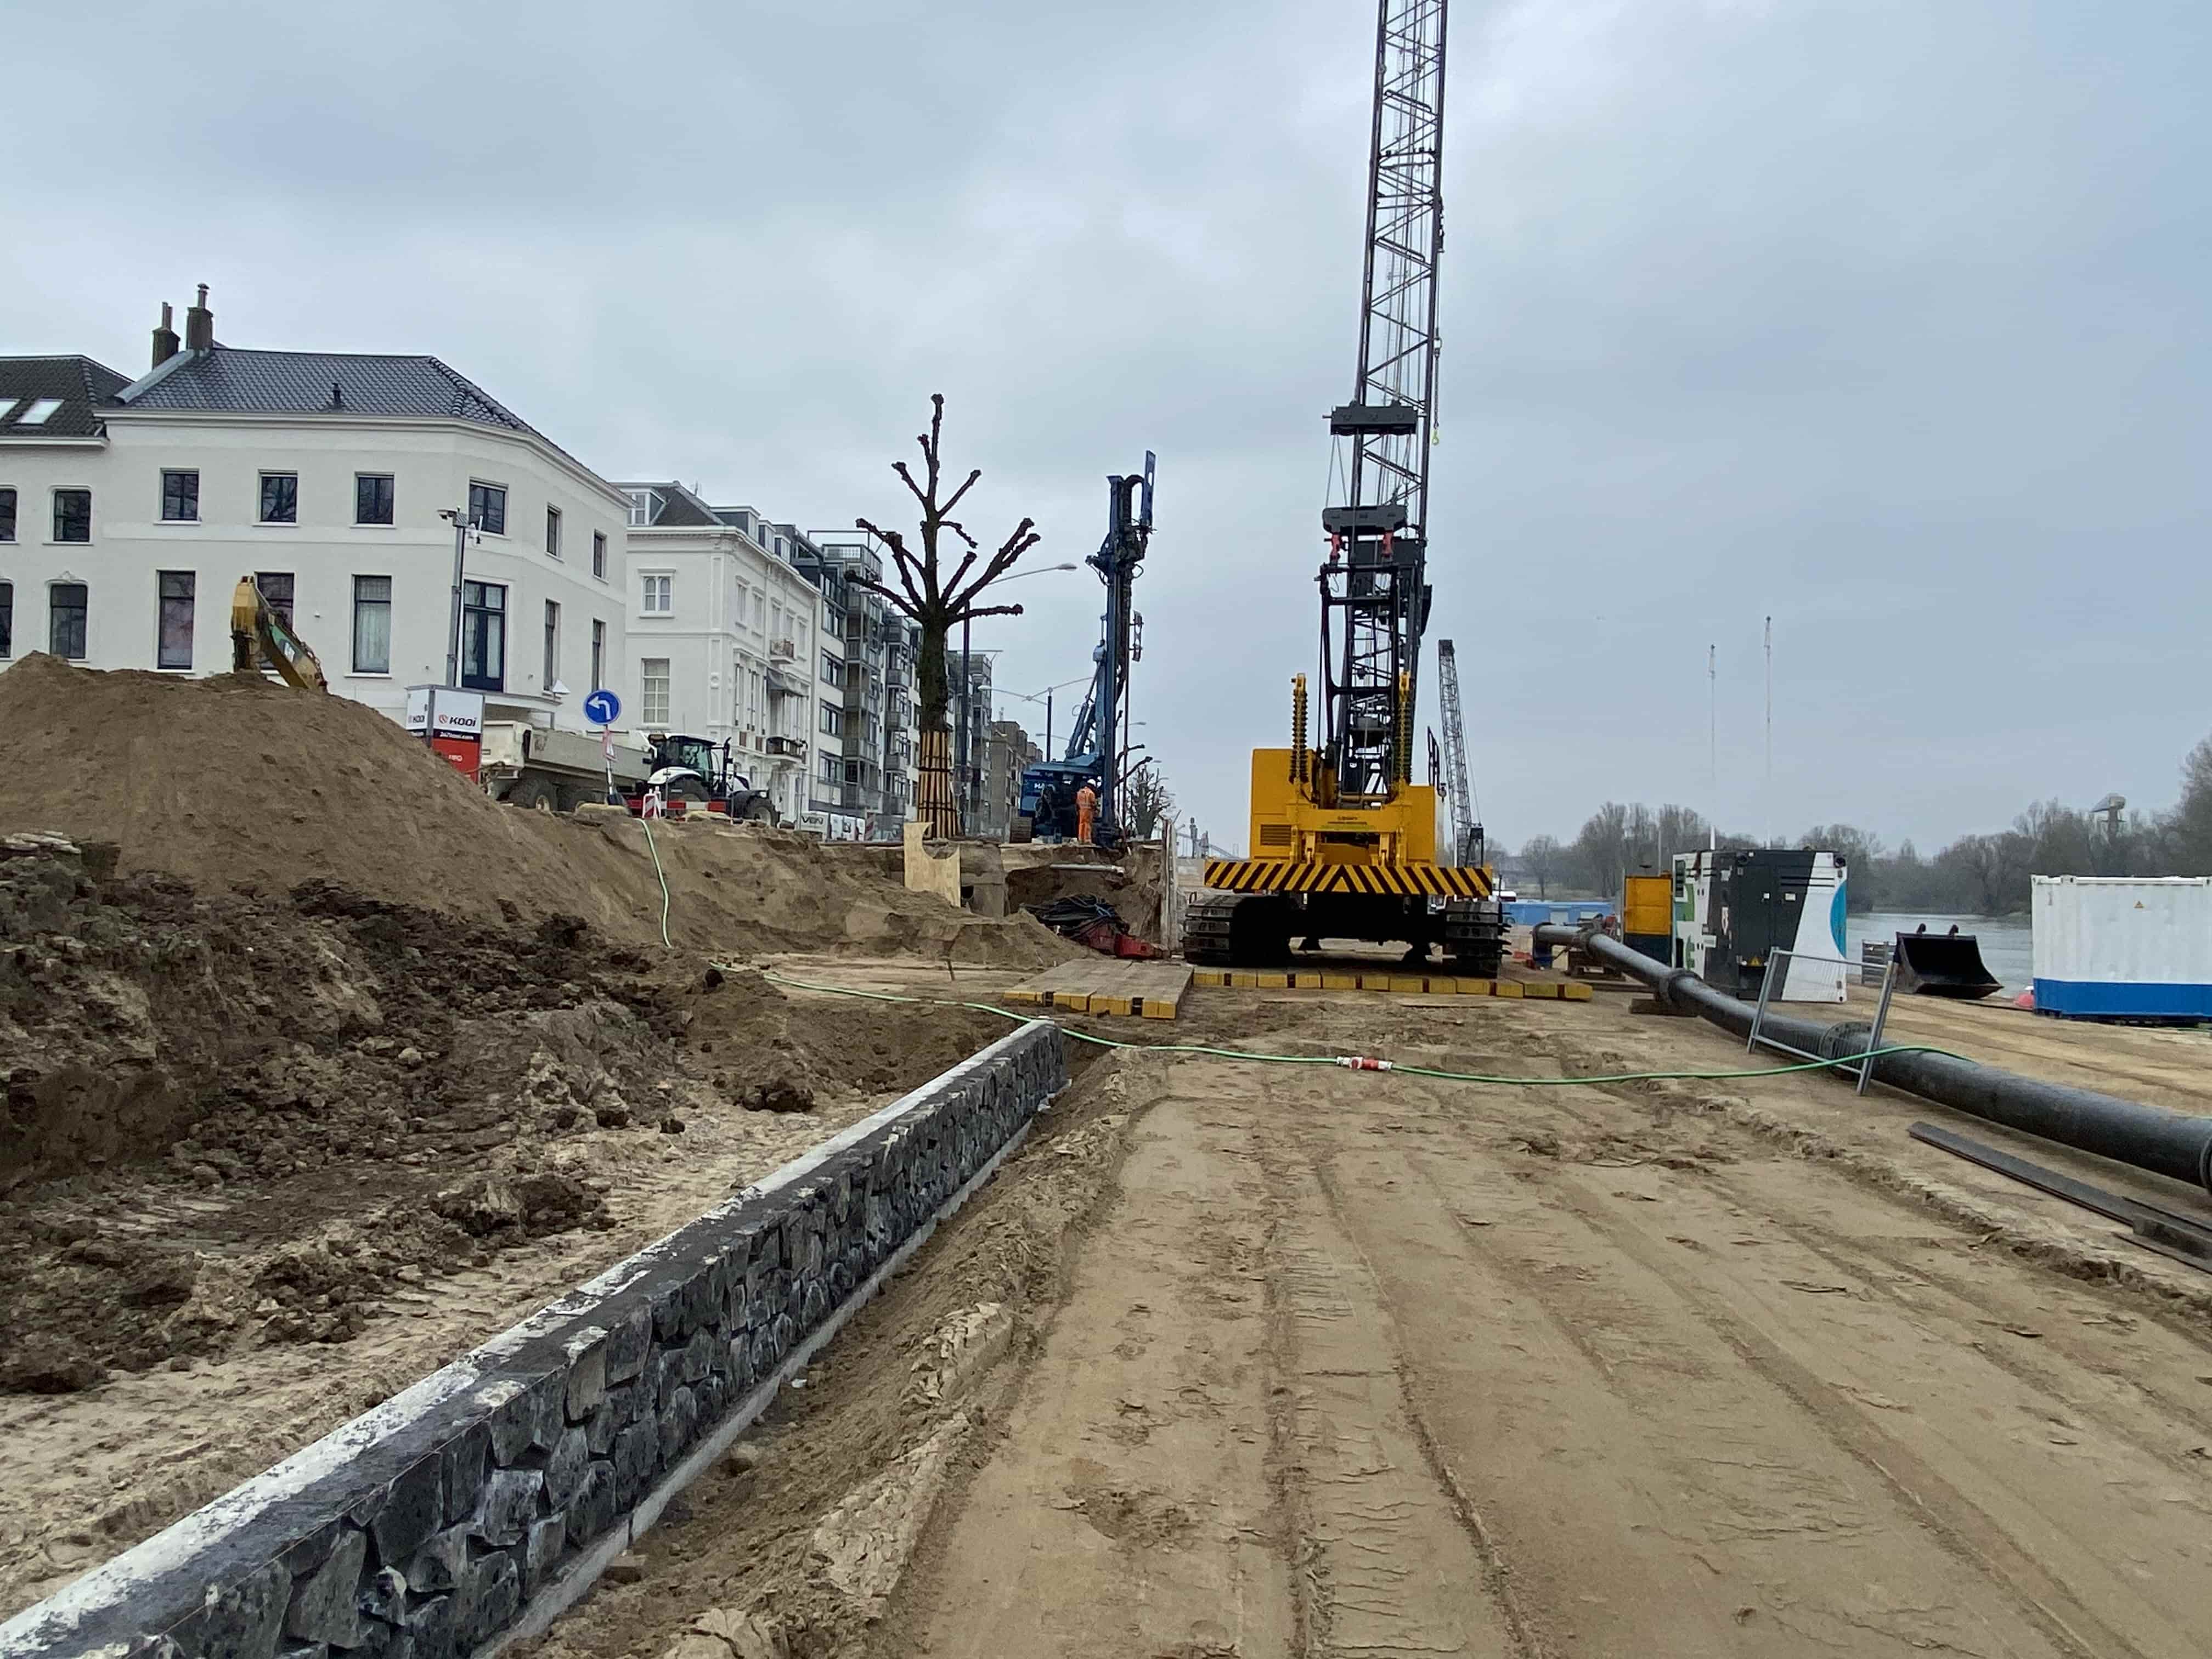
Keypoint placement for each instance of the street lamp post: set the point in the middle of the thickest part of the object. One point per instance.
(459, 518)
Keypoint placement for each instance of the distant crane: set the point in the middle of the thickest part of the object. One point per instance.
(1465, 833)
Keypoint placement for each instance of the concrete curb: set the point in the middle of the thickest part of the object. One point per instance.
(470, 1509)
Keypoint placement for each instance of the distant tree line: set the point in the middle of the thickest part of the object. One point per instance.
(1987, 874)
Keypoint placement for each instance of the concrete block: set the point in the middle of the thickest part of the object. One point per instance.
(564, 1468)
(510, 1504)
(1506, 987)
(588, 1375)
(323, 1604)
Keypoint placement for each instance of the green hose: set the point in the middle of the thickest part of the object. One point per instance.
(1326, 1060)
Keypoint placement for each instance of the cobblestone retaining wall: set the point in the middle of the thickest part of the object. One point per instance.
(475, 1505)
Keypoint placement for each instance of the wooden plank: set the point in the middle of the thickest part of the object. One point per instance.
(1340, 982)
(1212, 978)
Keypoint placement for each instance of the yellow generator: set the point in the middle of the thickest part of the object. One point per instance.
(1344, 842)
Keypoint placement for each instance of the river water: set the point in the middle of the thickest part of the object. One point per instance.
(2007, 947)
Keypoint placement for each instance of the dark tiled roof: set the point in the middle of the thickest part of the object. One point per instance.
(675, 507)
(79, 382)
(320, 382)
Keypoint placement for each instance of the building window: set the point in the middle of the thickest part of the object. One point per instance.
(641, 509)
(599, 654)
(599, 554)
(371, 624)
(758, 601)
(833, 668)
(275, 586)
(833, 769)
(488, 507)
(833, 718)
(552, 644)
(7, 515)
(553, 530)
(180, 497)
(654, 678)
(173, 648)
(483, 636)
(7, 620)
(65, 609)
(659, 600)
(372, 498)
(72, 515)
(280, 498)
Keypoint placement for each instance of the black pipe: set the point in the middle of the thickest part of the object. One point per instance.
(2147, 1137)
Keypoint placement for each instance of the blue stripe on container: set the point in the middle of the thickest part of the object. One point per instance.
(2098, 999)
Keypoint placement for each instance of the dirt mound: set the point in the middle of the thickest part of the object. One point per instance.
(240, 785)
(241, 1119)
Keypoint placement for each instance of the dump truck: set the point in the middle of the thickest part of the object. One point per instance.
(555, 771)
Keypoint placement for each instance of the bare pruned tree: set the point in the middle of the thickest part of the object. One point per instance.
(938, 601)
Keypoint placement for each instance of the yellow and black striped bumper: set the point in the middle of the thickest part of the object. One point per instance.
(1404, 880)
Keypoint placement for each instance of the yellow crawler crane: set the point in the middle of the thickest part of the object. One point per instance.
(1344, 841)
(260, 637)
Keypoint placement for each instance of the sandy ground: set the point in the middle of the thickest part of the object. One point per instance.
(1246, 1359)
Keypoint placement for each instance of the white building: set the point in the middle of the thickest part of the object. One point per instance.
(723, 638)
(137, 507)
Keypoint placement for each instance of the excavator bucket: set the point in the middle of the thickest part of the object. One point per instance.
(1942, 965)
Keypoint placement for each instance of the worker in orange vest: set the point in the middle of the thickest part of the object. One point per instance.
(1086, 812)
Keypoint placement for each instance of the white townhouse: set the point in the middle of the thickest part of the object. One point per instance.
(129, 511)
(725, 640)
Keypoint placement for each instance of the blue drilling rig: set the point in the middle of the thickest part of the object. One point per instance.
(1097, 744)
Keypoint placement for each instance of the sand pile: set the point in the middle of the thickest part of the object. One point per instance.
(242, 786)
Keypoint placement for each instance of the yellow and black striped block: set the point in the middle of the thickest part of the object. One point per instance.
(1399, 880)
(1404, 984)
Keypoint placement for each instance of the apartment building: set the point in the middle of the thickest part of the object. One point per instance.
(880, 645)
(130, 509)
(725, 637)
(1008, 750)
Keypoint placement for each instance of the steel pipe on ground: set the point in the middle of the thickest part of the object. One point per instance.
(2146, 1137)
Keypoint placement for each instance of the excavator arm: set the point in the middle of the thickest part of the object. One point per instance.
(257, 629)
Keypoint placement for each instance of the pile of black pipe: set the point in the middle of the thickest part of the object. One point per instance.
(2147, 1137)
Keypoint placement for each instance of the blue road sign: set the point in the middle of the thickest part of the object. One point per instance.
(603, 707)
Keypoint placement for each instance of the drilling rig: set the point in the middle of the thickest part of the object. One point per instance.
(1344, 841)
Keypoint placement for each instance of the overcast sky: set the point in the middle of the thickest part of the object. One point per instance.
(1887, 320)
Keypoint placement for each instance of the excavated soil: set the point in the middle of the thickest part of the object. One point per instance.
(239, 785)
(324, 1056)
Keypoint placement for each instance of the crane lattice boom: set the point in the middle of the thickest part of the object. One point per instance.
(1455, 781)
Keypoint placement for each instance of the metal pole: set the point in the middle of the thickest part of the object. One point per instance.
(1047, 722)
(1713, 738)
(453, 647)
(1770, 730)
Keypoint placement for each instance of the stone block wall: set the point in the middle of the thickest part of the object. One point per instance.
(481, 1500)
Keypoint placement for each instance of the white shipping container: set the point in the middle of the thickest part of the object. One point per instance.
(2123, 947)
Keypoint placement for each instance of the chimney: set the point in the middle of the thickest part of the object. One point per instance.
(200, 324)
(165, 338)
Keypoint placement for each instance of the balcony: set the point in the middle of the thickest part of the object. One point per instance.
(793, 746)
(783, 650)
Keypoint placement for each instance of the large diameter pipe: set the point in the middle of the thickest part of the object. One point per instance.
(2146, 1137)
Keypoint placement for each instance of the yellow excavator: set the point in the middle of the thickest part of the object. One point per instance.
(260, 638)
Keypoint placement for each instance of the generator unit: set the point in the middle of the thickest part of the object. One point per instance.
(1735, 907)
(1647, 916)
